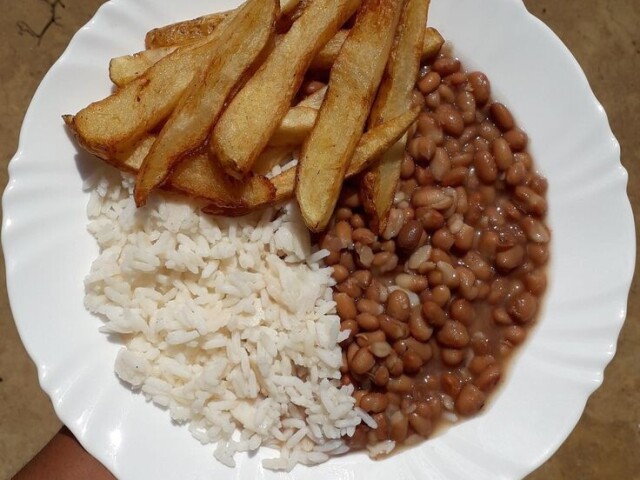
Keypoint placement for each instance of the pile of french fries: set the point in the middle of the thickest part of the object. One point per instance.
(213, 104)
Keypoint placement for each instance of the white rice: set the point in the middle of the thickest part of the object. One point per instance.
(228, 323)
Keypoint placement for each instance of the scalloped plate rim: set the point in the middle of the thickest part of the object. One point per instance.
(23, 151)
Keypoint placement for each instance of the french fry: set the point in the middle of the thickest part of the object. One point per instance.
(270, 157)
(125, 69)
(370, 147)
(181, 33)
(325, 57)
(378, 140)
(314, 100)
(198, 176)
(250, 119)
(353, 83)
(113, 125)
(184, 32)
(431, 44)
(294, 127)
(243, 38)
(394, 97)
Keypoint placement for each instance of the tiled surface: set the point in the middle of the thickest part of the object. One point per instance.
(605, 38)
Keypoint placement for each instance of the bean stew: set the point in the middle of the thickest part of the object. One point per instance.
(437, 301)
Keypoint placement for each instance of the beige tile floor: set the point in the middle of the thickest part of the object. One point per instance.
(603, 35)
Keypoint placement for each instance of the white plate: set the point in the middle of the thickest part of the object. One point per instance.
(48, 252)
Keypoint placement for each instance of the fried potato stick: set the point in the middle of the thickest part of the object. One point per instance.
(242, 40)
(394, 97)
(249, 121)
(354, 80)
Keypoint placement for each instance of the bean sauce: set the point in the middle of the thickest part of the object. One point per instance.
(437, 302)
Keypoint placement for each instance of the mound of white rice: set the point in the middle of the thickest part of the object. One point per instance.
(228, 323)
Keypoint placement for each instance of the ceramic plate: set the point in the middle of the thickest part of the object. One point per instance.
(48, 252)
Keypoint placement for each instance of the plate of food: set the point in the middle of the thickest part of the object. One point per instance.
(337, 239)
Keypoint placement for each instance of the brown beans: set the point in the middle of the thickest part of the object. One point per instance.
(430, 218)
(381, 376)
(380, 349)
(365, 305)
(450, 119)
(374, 402)
(465, 238)
(364, 236)
(516, 173)
(423, 349)
(453, 334)
(345, 306)
(470, 400)
(479, 362)
(401, 384)
(539, 253)
(511, 258)
(502, 116)
(530, 201)
(409, 235)
(392, 328)
(440, 164)
(340, 273)
(523, 307)
(423, 426)
(350, 287)
(485, 167)
(368, 321)
(399, 426)
(350, 325)
(419, 328)
(398, 305)
(429, 82)
(462, 310)
(408, 167)
(516, 139)
(434, 314)
(536, 282)
(446, 66)
(502, 154)
(412, 362)
(362, 361)
(489, 378)
(480, 87)
(394, 365)
(515, 334)
(452, 356)
(343, 231)
(413, 283)
(536, 231)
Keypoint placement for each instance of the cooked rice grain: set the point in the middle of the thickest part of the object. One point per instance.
(229, 323)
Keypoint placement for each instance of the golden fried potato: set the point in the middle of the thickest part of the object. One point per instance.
(197, 176)
(184, 32)
(371, 146)
(187, 31)
(113, 125)
(246, 126)
(431, 44)
(353, 83)
(243, 38)
(314, 100)
(394, 97)
(125, 69)
(272, 156)
(325, 57)
(294, 127)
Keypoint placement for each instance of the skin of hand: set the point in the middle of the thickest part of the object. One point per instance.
(63, 458)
